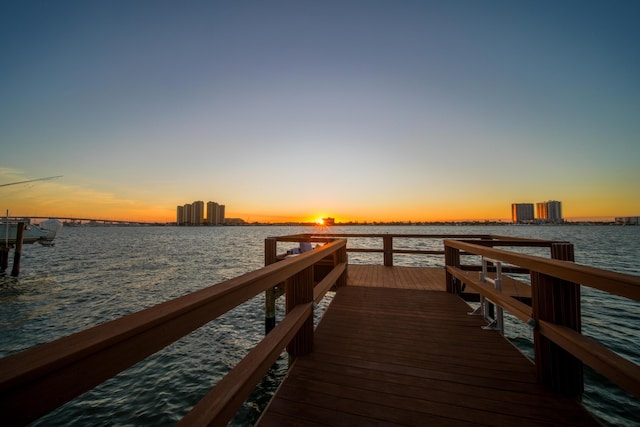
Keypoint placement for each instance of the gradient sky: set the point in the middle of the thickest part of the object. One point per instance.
(292, 110)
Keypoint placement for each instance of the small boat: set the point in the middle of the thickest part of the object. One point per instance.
(45, 233)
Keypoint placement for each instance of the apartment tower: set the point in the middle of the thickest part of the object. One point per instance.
(522, 212)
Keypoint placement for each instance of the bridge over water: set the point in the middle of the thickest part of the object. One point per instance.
(85, 220)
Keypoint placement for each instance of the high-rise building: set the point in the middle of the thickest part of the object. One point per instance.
(221, 209)
(197, 213)
(187, 214)
(549, 211)
(193, 213)
(180, 215)
(213, 214)
(522, 212)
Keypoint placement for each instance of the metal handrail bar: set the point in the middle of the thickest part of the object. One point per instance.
(519, 309)
(498, 321)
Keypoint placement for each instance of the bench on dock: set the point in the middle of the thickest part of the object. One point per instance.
(395, 346)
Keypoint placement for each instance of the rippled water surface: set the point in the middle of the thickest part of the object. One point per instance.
(96, 274)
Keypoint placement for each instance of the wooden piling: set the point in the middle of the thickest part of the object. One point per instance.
(4, 258)
(557, 301)
(17, 253)
(270, 295)
(342, 256)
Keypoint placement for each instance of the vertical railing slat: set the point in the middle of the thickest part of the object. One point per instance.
(299, 290)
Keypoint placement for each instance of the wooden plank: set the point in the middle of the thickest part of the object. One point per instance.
(427, 278)
(413, 357)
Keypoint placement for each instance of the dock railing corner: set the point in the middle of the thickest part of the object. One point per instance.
(560, 349)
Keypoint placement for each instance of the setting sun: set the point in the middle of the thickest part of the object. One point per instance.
(320, 221)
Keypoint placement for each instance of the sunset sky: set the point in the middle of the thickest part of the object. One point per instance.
(293, 110)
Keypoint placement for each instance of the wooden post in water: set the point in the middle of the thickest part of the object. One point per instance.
(270, 295)
(4, 257)
(451, 258)
(17, 254)
(299, 290)
(387, 248)
(557, 301)
(342, 256)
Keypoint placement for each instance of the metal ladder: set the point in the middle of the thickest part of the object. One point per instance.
(496, 321)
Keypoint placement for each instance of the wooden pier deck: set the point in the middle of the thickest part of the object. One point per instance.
(412, 356)
(423, 278)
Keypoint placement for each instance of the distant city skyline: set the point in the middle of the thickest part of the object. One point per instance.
(293, 111)
(194, 213)
(549, 211)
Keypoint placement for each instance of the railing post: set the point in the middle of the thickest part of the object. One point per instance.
(299, 290)
(270, 250)
(342, 256)
(557, 301)
(387, 248)
(451, 258)
(270, 295)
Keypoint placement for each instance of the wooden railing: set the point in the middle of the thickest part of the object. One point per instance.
(389, 250)
(559, 347)
(38, 380)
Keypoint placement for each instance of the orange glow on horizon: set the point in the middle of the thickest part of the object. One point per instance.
(57, 199)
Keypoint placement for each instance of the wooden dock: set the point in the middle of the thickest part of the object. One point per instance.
(395, 347)
(422, 278)
(412, 356)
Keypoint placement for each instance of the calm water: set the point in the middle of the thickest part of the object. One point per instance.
(95, 274)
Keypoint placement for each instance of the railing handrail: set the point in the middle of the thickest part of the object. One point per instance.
(388, 249)
(620, 284)
(42, 378)
(618, 369)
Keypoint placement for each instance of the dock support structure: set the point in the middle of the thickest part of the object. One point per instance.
(17, 253)
(271, 295)
(387, 249)
(557, 301)
(4, 257)
(452, 259)
(342, 256)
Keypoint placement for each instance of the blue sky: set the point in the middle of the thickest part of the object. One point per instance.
(361, 110)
